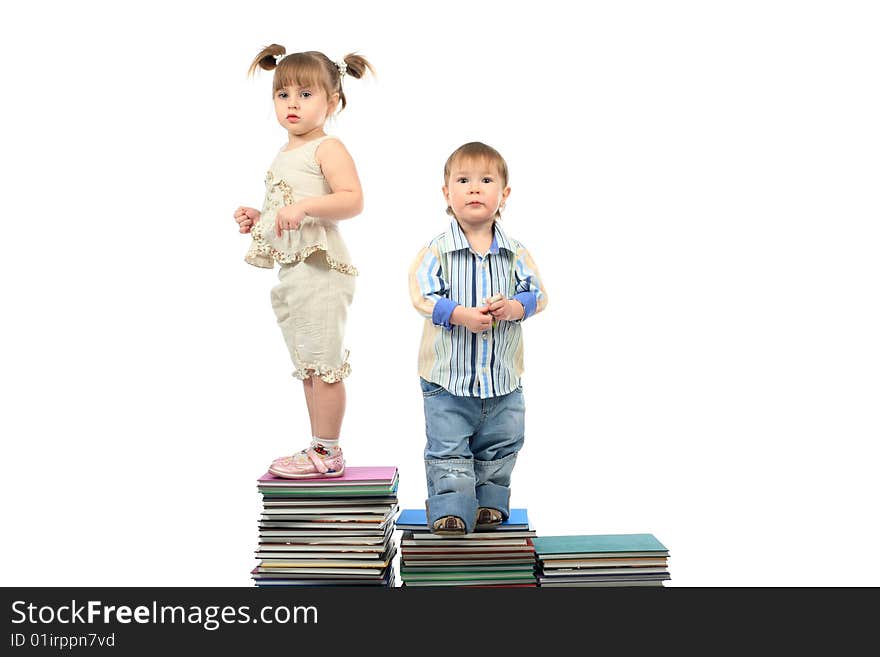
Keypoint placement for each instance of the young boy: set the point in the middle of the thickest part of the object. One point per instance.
(474, 285)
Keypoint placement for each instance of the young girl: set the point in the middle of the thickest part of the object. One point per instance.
(311, 185)
(474, 285)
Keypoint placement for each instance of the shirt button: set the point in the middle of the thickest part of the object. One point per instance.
(485, 336)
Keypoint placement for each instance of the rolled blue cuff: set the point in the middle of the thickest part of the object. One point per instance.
(529, 301)
(443, 312)
(493, 496)
(452, 504)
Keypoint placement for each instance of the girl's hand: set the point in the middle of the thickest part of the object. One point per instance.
(246, 218)
(289, 218)
(476, 320)
(507, 310)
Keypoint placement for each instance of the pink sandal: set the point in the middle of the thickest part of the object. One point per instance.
(311, 463)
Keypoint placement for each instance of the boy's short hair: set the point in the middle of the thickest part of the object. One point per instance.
(476, 150)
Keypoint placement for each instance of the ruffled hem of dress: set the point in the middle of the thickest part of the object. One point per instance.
(262, 252)
(259, 260)
(326, 374)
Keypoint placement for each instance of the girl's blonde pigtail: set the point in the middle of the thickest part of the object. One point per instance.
(266, 60)
(357, 66)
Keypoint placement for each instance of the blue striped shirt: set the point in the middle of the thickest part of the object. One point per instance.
(446, 273)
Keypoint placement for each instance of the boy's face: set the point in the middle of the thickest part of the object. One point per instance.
(474, 191)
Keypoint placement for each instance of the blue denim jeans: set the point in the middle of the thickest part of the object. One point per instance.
(470, 453)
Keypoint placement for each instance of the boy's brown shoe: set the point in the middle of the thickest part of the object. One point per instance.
(448, 525)
(488, 518)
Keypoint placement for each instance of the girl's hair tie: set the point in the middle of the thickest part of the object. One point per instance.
(278, 58)
(343, 67)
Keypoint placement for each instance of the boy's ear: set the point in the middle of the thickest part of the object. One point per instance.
(448, 204)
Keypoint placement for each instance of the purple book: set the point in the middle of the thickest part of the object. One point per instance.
(362, 476)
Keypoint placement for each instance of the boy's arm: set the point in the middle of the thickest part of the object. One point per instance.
(429, 292)
(529, 290)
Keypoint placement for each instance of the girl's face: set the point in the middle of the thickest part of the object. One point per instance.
(302, 111)
(475, 191)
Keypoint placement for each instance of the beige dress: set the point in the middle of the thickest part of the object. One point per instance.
(316, 279)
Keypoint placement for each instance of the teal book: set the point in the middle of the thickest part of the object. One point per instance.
(598, 545)
(347, 491)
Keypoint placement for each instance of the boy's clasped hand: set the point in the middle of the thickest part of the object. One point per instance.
(505, 310)
(495, 308)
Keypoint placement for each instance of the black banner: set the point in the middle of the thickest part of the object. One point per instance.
(238, 620)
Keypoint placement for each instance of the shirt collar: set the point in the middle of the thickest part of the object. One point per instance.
(455, 239)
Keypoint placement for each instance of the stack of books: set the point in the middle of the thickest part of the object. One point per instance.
(601, 560)
(330, 531)
(503, 556)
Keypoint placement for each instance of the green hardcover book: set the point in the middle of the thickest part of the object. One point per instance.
(327, 492)
(598, 544)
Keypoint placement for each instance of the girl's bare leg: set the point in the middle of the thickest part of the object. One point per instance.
(309, 391)
(329, 406)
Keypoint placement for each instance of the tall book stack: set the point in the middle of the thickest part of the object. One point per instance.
(331, 531)
(503, 556)
(601, 560)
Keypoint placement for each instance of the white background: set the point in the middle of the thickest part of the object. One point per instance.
(698, 182)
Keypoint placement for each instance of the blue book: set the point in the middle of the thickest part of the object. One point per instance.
(417, 520)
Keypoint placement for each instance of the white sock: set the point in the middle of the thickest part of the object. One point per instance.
(330, 443)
